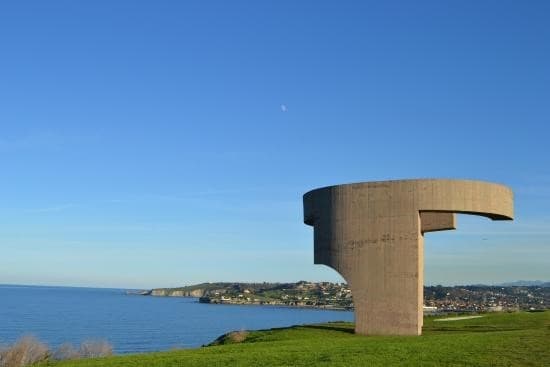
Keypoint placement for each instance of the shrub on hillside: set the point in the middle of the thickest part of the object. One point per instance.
(238, 336)
(65, 352)
(230, 338)
(95, 349)
(26, 351)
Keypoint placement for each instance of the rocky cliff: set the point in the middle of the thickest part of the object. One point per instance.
(168, 292)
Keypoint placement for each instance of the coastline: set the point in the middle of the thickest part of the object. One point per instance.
(307, 307)
(301, 294)
(225, 303)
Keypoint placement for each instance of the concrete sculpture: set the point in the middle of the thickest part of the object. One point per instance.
(372, 233)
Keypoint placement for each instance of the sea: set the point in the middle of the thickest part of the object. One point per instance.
(135, 323)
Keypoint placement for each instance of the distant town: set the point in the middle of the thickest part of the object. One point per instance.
(337, 296)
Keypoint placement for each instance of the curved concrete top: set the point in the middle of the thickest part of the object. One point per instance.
(487, 199)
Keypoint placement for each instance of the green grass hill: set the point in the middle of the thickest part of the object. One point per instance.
(498, 339)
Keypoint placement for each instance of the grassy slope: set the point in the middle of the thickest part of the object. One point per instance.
(520, 339)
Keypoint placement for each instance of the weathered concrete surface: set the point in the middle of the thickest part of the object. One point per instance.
(372, 233)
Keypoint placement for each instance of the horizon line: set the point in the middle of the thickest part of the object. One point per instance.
(249, 282)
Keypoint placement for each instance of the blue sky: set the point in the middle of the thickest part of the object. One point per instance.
(149, 144)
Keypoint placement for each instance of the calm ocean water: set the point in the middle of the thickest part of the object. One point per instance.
(134, 324)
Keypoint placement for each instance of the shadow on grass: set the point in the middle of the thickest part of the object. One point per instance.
(470, 329)
(331, 328)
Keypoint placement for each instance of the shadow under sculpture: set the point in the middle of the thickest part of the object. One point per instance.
(372, 233)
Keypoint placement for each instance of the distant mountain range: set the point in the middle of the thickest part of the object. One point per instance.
(525, 283)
